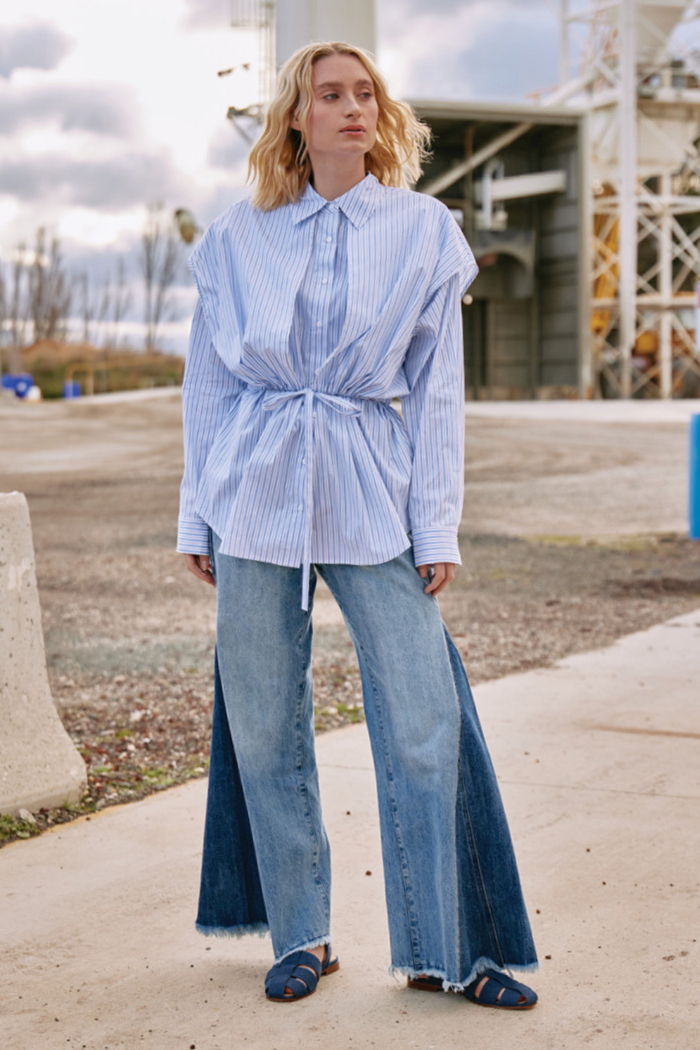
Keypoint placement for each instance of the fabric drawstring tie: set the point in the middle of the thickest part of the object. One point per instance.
(347, 406)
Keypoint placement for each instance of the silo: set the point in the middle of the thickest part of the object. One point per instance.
(301, 22)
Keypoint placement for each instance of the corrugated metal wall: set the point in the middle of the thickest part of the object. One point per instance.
(515, 345)
(558, 238)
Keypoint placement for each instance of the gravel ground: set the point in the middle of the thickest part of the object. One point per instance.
(129, 634)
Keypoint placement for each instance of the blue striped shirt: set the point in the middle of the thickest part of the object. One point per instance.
(310, 319)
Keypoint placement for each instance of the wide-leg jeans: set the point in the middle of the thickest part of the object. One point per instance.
(453, 893)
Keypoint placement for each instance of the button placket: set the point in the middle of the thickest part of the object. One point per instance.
(330, 219)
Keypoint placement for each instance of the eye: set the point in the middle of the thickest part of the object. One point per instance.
(331, 95)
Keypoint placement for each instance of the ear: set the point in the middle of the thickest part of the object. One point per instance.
(294, 122)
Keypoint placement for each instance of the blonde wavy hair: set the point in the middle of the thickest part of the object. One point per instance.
(279, 162)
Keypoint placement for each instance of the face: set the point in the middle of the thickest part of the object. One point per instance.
(344, 110)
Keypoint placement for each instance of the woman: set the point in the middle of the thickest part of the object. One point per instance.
(334, 290)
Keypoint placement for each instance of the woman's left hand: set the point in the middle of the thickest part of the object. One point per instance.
(444, 574)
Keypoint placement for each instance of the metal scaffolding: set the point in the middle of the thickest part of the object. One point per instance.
(258, 16)
(643, 105)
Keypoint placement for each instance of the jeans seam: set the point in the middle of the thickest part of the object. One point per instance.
(302, 780)
(487, 901)
(390, 782)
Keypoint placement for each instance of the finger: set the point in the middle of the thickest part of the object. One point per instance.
(207, 573)
(205, 565)
(447, 579)
(439, 572)
(194, 563)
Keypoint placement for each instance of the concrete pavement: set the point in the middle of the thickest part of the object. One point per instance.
(645, 412)
(599, 761)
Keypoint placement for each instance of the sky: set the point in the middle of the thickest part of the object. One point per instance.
(106, 108)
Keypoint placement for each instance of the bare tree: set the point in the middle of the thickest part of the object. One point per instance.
(16, 309)
(160, 253)
(58, 295)
(3, 312)
(49, 290)
(104, 309)
(121, 303)
(37, 286)
(89, 305)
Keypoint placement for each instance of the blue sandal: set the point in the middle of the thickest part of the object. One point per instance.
(291, 973)
(516, 996)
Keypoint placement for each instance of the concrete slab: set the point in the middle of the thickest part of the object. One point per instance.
(39, 764)
(598, 760)
(649, 412)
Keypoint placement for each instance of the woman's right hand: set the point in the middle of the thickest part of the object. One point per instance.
(200, 566)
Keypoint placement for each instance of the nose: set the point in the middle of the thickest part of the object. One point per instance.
(351, 106)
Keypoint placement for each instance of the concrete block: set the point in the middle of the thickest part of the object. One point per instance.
(39, 764)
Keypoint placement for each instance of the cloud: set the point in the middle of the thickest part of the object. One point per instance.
(40, 46)
(469, 49)
(228, 149)
(216, 199)
(101, 109)
(108, 185)
(207, 14)
(504, 65)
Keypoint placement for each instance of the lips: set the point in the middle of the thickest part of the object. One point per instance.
(353, 127)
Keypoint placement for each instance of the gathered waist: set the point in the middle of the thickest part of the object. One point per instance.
(345, 404)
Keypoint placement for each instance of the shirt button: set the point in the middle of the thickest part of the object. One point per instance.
(300, 507)
(324, 281)
(314, 415)
(328, 240)
(319, 324)
(303, 460)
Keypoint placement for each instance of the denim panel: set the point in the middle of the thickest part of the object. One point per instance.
(485, 850)
(230, 894)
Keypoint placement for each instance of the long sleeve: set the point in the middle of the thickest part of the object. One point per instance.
(208, 391)
(434, 416)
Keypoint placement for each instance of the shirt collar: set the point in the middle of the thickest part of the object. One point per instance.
(356, 204)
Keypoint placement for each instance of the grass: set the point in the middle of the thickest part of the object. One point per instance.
(15, 828)
(104, 790)
(353, 714)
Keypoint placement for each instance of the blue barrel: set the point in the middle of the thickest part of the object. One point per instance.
(694, 481)
(71, 388)
(19, 383)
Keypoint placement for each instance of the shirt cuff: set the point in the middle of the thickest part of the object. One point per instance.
(192, 536)
(431, 545)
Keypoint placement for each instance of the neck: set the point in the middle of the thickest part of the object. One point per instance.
(334, 176)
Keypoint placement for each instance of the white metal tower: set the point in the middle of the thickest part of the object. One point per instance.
(643, 96)
(281, 28)
(257, 16)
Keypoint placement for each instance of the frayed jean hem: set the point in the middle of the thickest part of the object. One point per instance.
(483, 963)
(315, 943)
(260, 929)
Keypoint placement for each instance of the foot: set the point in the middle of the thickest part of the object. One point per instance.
(510, 995)
(480, 986)
(294, 978)
(320, 953)
(494, 988)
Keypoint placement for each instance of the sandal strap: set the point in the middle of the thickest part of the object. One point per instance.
(491, 990)
(287, 974)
